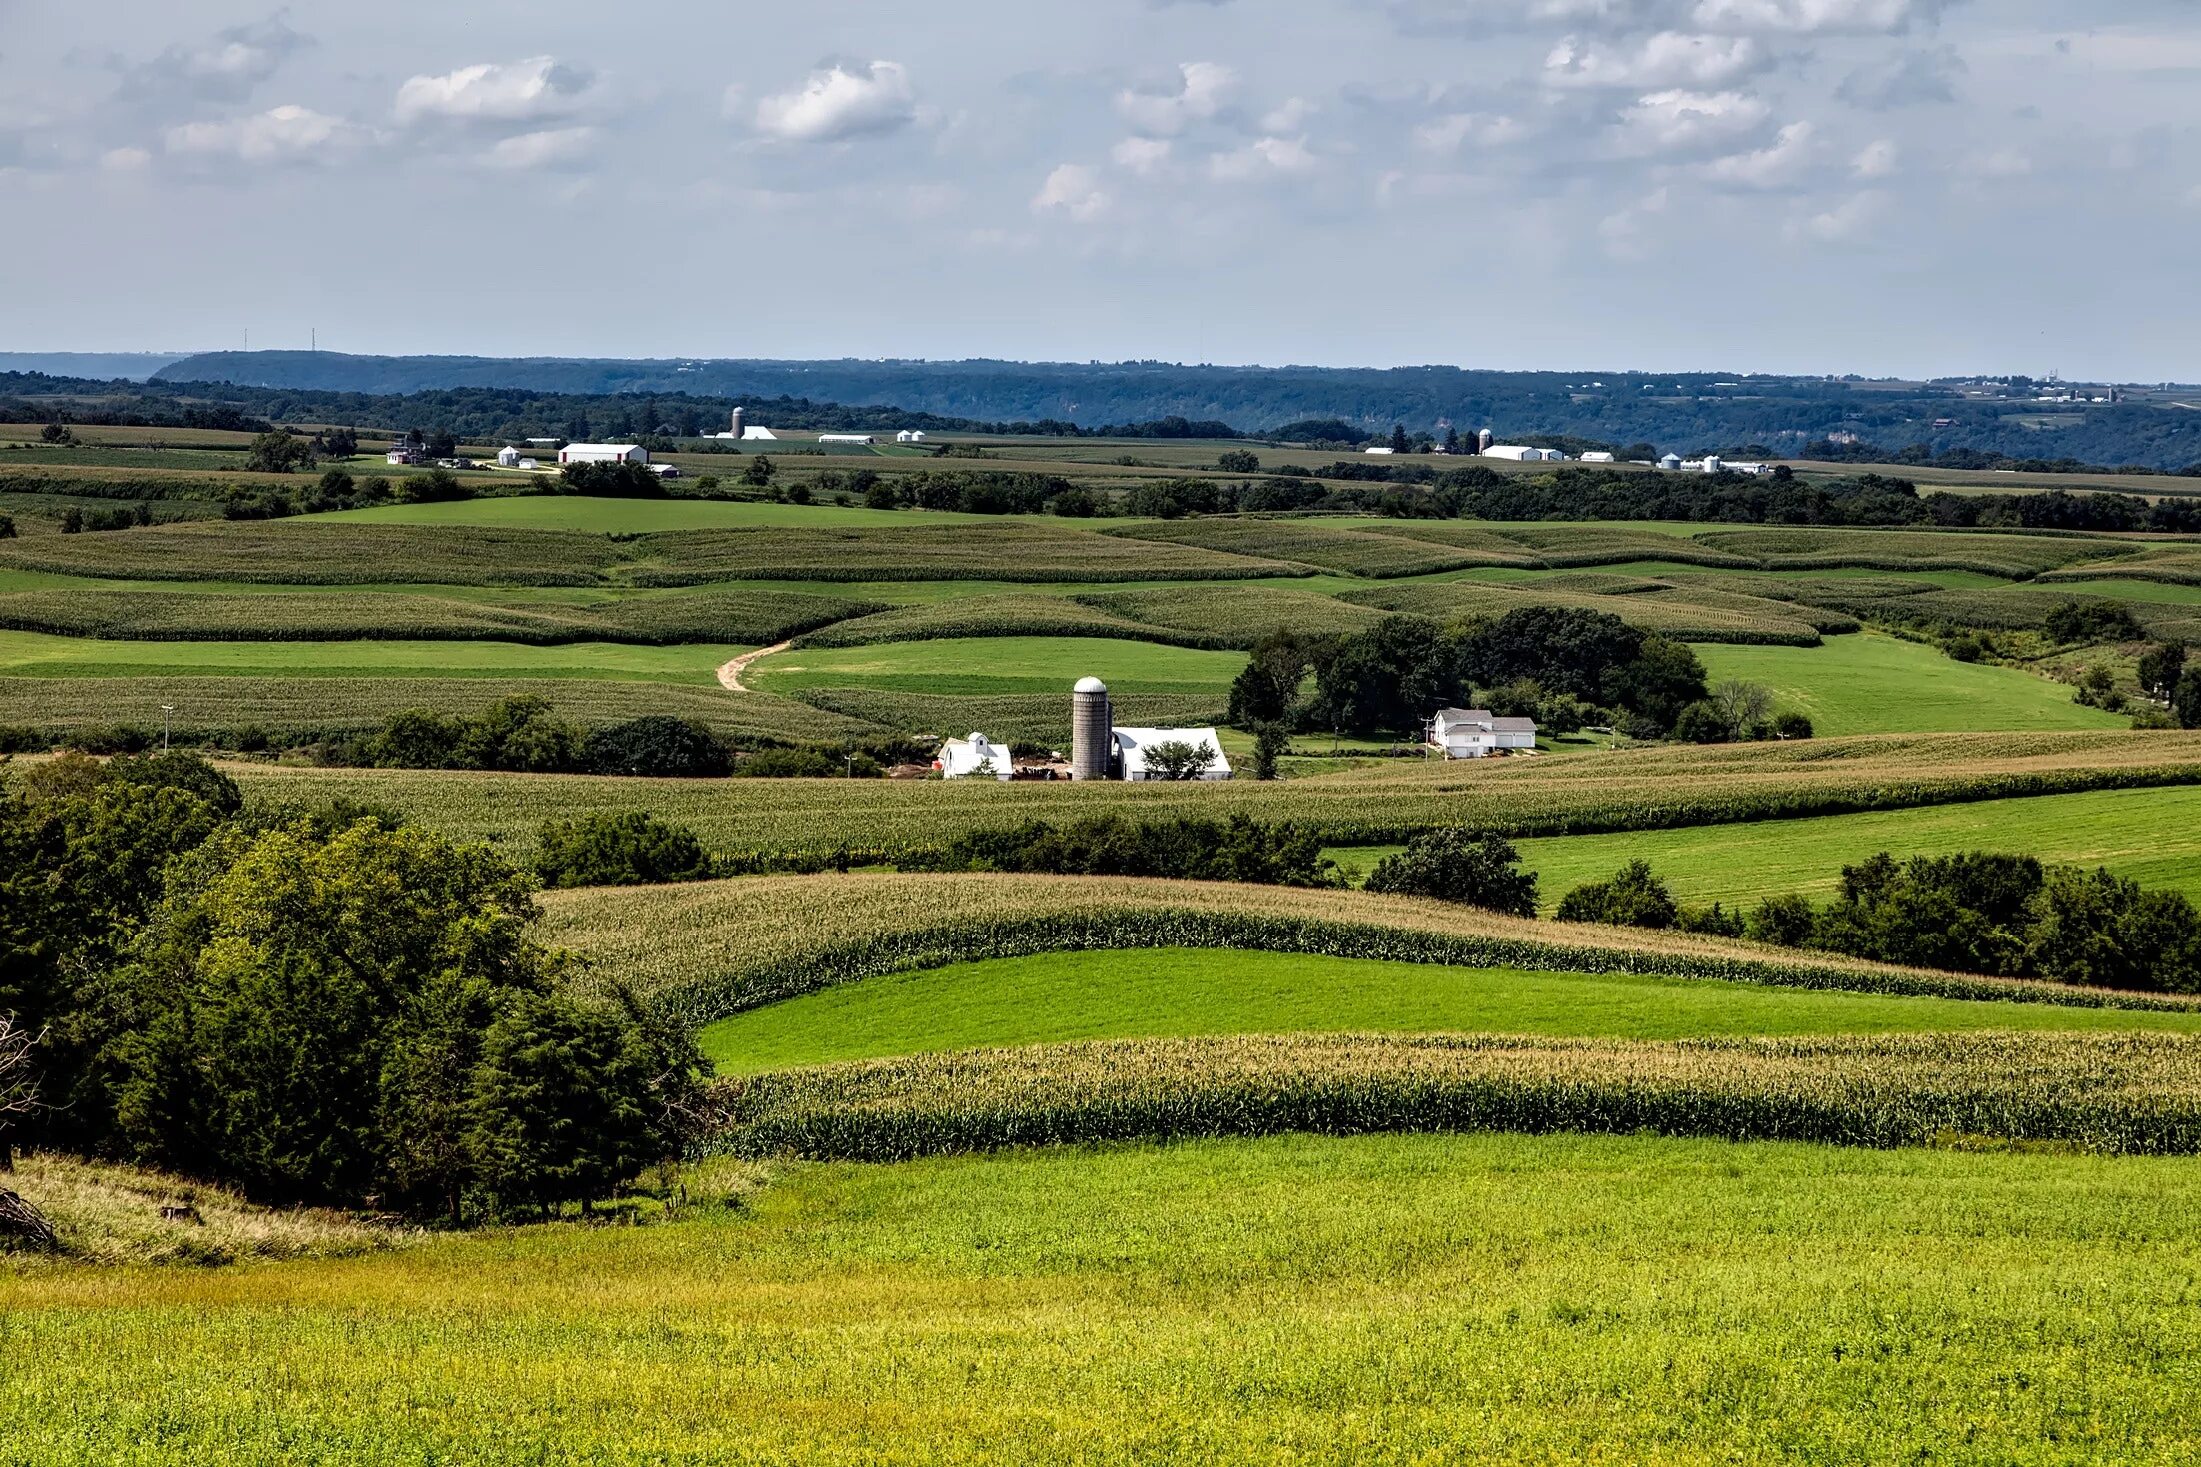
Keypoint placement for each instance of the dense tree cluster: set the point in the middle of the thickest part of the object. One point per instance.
(1455, 865)
(1562, 665)
(1238, 849)
(313, 1006)
(627, 849)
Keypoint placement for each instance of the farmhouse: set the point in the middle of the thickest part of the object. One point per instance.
(976, 757)
(406, 455)
(603, 453)
(1473, 733)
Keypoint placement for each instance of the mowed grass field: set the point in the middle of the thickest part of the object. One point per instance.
(1377, 1299)
(2149, 836)
(1871, 683)
(992, 666)
(1146, 993)
(36, 654)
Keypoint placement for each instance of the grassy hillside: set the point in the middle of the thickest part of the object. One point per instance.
(1175, 991)
(1326, 1301)
(1879, 684)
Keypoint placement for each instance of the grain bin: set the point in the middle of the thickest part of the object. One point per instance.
(1092, 731)
(736, 423)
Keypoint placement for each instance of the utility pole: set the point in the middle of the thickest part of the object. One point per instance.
(167, 713)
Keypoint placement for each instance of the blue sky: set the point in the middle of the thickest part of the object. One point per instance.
(1881, 186)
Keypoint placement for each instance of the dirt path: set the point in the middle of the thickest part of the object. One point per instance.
(729, 676)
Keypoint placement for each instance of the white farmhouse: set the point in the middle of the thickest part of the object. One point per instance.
(1474, 733)
(1132, 745)
(976, 757)
(603, 453)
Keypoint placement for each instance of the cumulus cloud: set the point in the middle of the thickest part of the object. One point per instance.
(1817, 17)
(1073, 190)
(1911, 79)
(1143, 155)
(226, 68)
(548, 148)
(125, 160)
(1683, 122)
(532, 90)
(1624, 233)
(286, 134)
(1451, 132)
(1778, 165)
(1262, 158)
(1878, 160)
(1846, 221)
(838, 104)
(1668, 59)
(1197, 93)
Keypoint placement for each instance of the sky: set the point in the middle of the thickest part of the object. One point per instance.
(1888, 187)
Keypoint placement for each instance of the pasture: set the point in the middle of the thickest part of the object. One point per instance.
(1880, 684)
(1059, 997)
(1556, 1298)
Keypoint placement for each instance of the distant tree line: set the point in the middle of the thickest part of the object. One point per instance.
(232, 994)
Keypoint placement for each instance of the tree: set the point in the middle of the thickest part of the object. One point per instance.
(2094, 928)
(879, 494)
(57, 434)
(279, 452)
(2160, 668)
(1268, 745)
(1786, 920)
(1632, 898)
(21, 1224)
(2077, 622)
(620, 480)
(1266, 690)
(1399, 442)
(1746, 706)
(1451, 439)
(1178, 759)
(657, 746)
(7, 527)
(1239, 461)
(757, 471)
(1390, 677)
(632, 848)
(1703, 722)
(1453, 865)
(2186, 701)
(1792, 726)
(437, 486)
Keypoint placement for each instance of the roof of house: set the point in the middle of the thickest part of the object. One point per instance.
(1513, 725)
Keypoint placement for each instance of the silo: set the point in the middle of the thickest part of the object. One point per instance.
(1092, 731)
(737, 422)
(1483, 440)
(1712, 464)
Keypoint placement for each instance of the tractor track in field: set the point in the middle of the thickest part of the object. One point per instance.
(729, 675)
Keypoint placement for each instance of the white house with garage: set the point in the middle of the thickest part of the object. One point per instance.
(976, 757)
(1474, 733)
(1134, 744)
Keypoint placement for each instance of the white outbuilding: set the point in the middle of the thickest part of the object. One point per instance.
(603, 453)
(1133, 746)
(863, 438)
(910, 435)
(1597, 458)
(976, 757)
(1475, 733)
(508, 457)
(1522, 454)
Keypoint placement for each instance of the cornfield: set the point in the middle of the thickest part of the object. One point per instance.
(2119, 1094)
(701, 952)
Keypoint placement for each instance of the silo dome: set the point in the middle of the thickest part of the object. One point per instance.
(1090, 685)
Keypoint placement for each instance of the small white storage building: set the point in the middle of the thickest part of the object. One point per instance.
(863, 438)
(1522, 454)
(976, 757)
(1475, 733)
(1597, 458)
(603, 453)
(910, 435)
(508, 457)
(1132, 745)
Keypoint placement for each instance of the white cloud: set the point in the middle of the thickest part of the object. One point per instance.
(837, 104)
(1878, 160)
(226, 68)
(1668, 59)
(1678, 121)
(1143, 155)
(1289, 116)
(1197, 94)
(1452, 131)
(1911, 79)
(1072, 189)
(519, 91)
(1263, 158)
(1622, 232)
(1817, 17)
(286, 134)
(1846, 221)
(1778, 165)
(125, 160)
(544, 149)
(2008, 163)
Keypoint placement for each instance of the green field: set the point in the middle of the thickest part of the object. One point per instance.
(1393, 1299)
(993, 666)
(1171, 991)
(37, 655)
(1879, 684)
(638, 516)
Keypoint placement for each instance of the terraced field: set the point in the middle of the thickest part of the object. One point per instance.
(993, 666)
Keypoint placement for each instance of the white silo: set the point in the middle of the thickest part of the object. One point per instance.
(1712, 464)
(1484, 440)
(736, 422)
(1092, 731)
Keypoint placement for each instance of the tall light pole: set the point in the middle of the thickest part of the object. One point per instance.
(167, 713)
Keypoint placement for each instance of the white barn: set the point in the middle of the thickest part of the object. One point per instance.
(864, 438)
(1132, 745)
(1522, 454)
(1475, 733)
(976, 757)
(603, 453)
